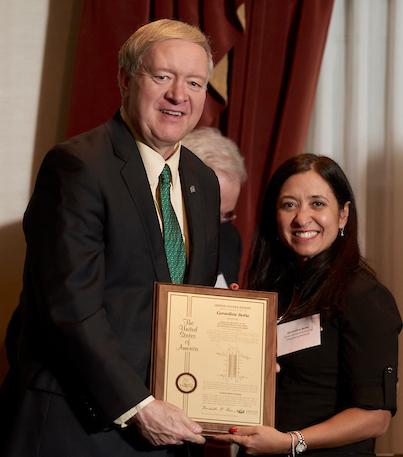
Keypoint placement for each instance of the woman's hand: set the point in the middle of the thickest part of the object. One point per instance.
(258, 440)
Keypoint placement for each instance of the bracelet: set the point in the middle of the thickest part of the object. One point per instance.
(292, 449)
(301, 446)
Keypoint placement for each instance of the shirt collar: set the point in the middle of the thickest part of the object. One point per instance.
(154, 163)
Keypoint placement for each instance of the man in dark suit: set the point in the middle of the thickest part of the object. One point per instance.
(79, 342)
(222, 155)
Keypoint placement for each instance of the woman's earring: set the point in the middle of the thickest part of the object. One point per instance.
(342, 231)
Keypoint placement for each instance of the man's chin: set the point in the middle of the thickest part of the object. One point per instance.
(171, 139)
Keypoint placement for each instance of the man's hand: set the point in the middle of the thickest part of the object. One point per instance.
(162, 423)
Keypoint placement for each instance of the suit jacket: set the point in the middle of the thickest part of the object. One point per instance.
(81, 335)
(230, 252)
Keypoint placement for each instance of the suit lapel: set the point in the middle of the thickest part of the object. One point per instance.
(194, 206)
(134, 175)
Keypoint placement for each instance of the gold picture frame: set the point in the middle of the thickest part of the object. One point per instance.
(214, 354)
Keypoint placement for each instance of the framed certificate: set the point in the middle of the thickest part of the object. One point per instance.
(214, 354)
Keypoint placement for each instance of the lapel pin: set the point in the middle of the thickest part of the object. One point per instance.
(192, 189)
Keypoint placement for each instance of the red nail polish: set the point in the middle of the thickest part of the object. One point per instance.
(234, 286)
(233, 429)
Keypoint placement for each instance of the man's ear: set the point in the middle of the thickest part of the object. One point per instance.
(123, 81)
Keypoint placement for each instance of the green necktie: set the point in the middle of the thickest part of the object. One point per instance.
(173, 240)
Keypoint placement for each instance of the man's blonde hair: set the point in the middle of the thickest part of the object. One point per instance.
(133, 50)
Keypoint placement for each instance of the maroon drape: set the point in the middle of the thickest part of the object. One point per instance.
(274, 67)
(106, 24)
(274, 76)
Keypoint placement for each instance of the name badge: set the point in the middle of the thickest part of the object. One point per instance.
(298, 334)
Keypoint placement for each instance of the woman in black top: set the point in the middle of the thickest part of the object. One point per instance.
(335, 397)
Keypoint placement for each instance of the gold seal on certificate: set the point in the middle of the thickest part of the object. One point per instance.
(214, 354)
(186, 383)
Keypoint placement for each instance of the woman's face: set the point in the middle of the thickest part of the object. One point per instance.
(308, 215)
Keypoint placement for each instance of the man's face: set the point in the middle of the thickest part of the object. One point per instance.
(164, 99)
(229, 192)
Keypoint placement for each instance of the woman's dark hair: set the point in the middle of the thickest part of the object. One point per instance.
(320, 282)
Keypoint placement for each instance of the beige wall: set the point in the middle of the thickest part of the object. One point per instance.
(37, 40)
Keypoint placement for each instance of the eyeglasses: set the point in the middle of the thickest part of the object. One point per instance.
(228, 217)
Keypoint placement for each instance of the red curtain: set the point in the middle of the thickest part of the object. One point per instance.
(273, 72)
(105, 26)
(274, 75)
